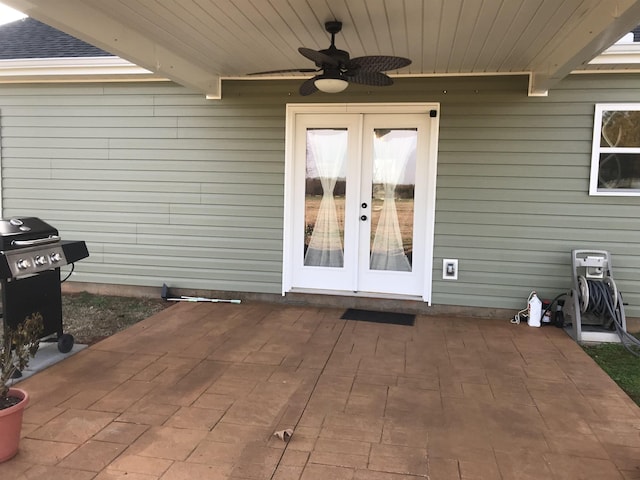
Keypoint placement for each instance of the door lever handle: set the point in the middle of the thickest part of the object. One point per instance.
(363, 218)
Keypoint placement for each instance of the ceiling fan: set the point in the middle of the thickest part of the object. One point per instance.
(337, 69)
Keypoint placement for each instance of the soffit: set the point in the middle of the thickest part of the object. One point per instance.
(198, 42)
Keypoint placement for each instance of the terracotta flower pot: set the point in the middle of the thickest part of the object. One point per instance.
(11, 425)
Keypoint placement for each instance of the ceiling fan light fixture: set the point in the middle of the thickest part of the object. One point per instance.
(331, 85)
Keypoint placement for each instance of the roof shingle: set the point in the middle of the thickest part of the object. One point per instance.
(29, 38)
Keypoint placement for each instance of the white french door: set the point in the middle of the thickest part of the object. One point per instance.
(359, 204)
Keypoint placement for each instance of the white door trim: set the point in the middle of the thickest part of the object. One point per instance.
(292, 110)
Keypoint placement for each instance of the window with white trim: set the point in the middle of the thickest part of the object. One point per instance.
(615, 155)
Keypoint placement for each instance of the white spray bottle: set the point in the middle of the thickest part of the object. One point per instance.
(535, 310)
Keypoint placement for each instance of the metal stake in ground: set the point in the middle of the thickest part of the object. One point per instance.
(183, 298)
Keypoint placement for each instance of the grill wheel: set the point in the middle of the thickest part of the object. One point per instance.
(65, 343)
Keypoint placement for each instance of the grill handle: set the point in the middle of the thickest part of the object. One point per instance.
(37, 241)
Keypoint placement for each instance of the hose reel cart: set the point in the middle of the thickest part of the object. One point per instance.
(594, 305)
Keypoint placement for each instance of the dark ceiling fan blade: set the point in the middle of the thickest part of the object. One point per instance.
(308, 87)
(336, 66)
(318, 58)
(377, 79)
(289, 70)
(379, 63)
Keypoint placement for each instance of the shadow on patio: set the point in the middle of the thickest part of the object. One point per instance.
(196, 392)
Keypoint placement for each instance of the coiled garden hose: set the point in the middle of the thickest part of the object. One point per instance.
(602, 299)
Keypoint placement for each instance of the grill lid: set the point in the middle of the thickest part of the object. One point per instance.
(15, 231)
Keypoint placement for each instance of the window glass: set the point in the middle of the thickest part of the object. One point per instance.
(619, 170)
(615, 160)
(620, 128)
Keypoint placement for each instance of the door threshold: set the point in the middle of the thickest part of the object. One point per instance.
(343, 293)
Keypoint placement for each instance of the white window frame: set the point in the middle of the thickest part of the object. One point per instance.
(597, 150)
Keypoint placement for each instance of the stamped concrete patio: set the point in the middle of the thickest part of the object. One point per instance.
(196, 392)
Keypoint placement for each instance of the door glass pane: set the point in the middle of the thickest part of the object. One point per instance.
(392, 199)
(325, 184)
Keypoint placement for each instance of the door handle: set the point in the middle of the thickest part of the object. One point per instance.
(363, 218)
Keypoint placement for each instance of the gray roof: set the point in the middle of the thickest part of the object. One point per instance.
(29, 38)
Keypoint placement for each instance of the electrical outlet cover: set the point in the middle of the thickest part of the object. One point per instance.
(450, 268)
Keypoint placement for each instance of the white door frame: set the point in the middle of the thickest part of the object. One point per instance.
(430, 109)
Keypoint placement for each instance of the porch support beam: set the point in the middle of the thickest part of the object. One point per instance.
(87, 23)
(599, 24)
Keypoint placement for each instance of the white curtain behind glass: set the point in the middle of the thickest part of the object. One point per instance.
(390, 161)
(328, 148)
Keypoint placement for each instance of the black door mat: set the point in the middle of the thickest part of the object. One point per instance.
(391, 318)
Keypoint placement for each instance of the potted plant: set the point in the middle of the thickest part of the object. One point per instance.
(18, 345)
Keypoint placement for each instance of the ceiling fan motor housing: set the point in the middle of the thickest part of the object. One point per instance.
(333, 26)
(340, 56)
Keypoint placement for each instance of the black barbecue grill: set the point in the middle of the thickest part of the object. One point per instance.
(31, 254)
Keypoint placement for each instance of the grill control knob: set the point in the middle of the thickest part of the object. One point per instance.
(40, 260)
(55, 257)
(23, 264)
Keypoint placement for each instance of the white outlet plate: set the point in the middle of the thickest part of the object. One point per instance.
(449, 268)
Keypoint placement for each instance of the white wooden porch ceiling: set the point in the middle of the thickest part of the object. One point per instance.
(199, 42)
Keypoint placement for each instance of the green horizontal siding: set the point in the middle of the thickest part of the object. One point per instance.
(166, 186)
(512, 196)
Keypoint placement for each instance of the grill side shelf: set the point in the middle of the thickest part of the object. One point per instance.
(74, 250)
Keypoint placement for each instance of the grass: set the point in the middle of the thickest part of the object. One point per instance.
(622, 366)
(90, 317)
